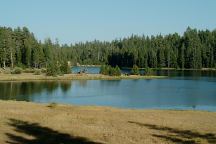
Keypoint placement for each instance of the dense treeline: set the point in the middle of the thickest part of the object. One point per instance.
(19, 47)
(194, 49)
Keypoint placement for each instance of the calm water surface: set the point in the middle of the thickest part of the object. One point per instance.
(183, 90)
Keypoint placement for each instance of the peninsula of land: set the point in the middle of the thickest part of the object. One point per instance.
(33, 77)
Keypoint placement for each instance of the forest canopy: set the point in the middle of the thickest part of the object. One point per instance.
(195, 49)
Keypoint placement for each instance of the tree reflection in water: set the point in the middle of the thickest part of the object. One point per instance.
(23, 90)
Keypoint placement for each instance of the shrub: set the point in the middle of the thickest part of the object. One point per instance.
(17, 70)
(20, 65)
(104, 70)
(52, 70)
(108, 70)
(135, 70)
(37, 71)
(52, 105)
(148, 71)
(28, 70)
(65, 68)
(7, 71)
(115, 71)
(43, 70)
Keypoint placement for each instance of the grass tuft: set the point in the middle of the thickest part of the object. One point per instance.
(52, 105)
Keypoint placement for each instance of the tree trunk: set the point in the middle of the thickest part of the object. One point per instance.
(11, 57)
(4, 66)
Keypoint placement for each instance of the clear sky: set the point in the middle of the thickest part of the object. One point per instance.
(81, 20)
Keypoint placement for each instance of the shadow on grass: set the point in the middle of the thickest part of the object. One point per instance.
(179, 136)
(41, 135)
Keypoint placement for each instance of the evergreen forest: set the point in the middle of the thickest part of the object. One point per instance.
(195, 49)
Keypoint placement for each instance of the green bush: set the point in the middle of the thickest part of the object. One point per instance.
(108, 70)
(43, 70)
(20, 65)
(55, 69)
(104, 70)
(115, 71)
(17, 70)
(37, 71)
(65, 68)
(135, 70)
(52, 70)
(28, 70)
(148, 71)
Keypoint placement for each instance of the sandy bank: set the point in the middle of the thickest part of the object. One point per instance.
(24, 122)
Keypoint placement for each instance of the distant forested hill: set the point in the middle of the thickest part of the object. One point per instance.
(195, 49)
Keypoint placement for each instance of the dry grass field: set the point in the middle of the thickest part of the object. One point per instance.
(30, 123)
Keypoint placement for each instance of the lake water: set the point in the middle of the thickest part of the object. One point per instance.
(171, 73)
(183, 90)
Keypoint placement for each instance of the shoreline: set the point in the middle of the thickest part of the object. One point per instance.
(43, 77)
(177, 69)
(97, 124)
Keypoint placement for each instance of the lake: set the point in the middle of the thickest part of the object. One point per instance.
(182, 90)
(170, 73)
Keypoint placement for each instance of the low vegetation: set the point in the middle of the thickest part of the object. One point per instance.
(135, 70)
(37, 71)
(17, 70)
(148, 71)
(109, 70)
(65, 68)
(55, 69)
(29, 70)
(52, 105)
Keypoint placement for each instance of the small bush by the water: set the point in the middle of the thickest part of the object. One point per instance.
(28, 70)
(43, 70)
(17, 70)
(52, 70)
(135, 70)
(65, 68)
(37, 71)
(7, 71)
(104, 70)
(148, 71)
(111, 71)
(55, 69)
(115, 71)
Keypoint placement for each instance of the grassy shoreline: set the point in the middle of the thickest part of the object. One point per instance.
(33, 77)
(26, 122)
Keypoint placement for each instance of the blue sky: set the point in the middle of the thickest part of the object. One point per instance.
(80, 20)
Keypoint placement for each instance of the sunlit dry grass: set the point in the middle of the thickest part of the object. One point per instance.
(24, 122)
